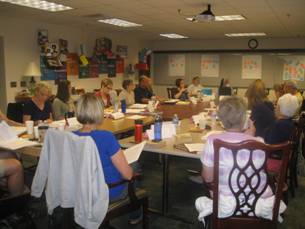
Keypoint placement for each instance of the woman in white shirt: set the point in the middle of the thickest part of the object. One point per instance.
(195, 87)
(127, 93)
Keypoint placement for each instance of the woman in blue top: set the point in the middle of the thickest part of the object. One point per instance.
(181, 90)
(90, 113)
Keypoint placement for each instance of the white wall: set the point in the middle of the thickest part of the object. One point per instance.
(221, 44)
(20, 47)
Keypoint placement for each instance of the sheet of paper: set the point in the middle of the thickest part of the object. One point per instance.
(138, 106)
(183, 103)
(168, 130)
(134, 111)
(17, 144)
(133, 153)
(135, 117)
(19, 129)
(6, 132)
(194, 147)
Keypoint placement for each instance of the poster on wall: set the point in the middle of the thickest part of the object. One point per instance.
(251, 67)
(209, 65)
(84, 71)
(111, 66)
(72, 65)
(42, 37)
(122, 50)
(294, 68)
(93, 70)
(51, 73)
(176, 65)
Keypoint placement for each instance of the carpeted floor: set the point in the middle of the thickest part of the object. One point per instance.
(182, 197)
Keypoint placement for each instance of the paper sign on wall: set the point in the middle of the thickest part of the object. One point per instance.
(209, 65)
(176, 64)
(251, 67)
(294, 68)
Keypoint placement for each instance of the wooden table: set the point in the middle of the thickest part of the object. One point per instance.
(167, 150)
(115, 126)
(183, 111)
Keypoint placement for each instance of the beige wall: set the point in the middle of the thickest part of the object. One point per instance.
(222, 44)
(20, 47)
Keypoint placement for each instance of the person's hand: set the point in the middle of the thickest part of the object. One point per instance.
(251, 128)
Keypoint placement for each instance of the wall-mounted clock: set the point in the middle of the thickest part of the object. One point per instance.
(252, 43)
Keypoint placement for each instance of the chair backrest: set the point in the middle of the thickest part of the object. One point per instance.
(15, 111)
(243, 175)
(171, 91)
(225, 91)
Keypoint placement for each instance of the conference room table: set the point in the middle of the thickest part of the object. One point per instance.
(187, 132)
(184, 109)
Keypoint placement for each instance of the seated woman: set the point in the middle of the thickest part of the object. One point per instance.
(181, 92)
(63, 105)
(232, 113)
(39, 108)
(262, 110)
(90, 113)
(127, 93)
(282, 129)
(104, 92)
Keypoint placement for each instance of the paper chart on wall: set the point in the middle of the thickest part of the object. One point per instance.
(251, 67)
(176, 65)
(209, 65)
(294, 68)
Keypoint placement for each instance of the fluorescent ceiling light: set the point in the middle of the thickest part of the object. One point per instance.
(172, 35)
(222, 18)
(39, 4)
(245, 34)
(119, 22)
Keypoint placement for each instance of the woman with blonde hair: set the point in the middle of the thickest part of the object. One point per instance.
(262, 110)
(39, 107)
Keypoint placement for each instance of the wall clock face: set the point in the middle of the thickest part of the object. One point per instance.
(252, 43)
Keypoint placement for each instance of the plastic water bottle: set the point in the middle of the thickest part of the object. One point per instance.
(175, 120)
(158, 128)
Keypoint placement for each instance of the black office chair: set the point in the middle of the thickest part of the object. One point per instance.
(15, 111)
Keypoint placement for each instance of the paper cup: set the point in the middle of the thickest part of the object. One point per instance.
(29, 127)
(36, 132)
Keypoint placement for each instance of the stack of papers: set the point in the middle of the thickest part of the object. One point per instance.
(9, 139)
(19, 129)
(194, 147)
(134, 111)
(133, 153)
(168, 131)
(117, 115)
(138, 106)
(73, 124)
(135, 117)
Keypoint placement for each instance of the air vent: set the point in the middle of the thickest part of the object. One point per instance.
(95, 16)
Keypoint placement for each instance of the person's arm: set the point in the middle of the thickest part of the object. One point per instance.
(180, 91)
(9, 121)
(120, 163)
(207, 174)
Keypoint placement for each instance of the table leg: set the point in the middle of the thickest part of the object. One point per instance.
(165, 184)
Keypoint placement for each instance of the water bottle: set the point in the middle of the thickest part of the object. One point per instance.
(138, 131)
(175, 120)
(123, 106)
(158, 128)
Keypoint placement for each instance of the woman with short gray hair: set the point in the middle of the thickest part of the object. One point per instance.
(90, 112)
(232, 114)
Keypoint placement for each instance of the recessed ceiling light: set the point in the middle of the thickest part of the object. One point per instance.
(172, 35)
(119, 22)
(39, 4)
(245, 34)
(222, 18)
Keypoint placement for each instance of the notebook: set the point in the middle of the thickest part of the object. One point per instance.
(133, 153)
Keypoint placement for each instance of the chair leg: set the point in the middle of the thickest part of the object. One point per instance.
(145, 214)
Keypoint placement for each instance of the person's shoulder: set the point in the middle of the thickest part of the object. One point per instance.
(106, 135)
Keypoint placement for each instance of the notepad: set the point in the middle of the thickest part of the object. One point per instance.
(133, 153)
(194, 147)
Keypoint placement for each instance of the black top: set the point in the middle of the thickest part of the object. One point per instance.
(142, 93)
(184, 95)
(263, 116)
(280, 131)
(36, 114)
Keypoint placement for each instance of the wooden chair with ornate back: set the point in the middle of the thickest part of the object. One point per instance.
(248, 192)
